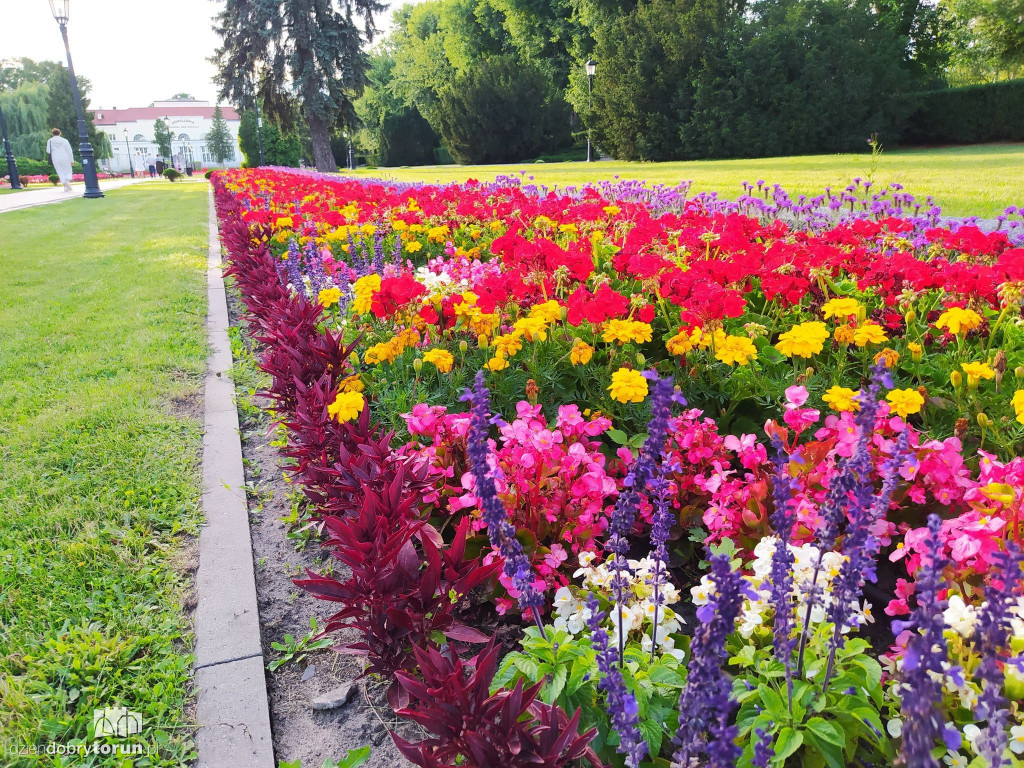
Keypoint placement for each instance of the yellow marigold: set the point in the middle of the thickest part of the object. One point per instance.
(441, 358)
(399, 226)
(496, 364)
(889, 355)
(869, 332)
(611, 210)
(414, 245)
(803, 340)
(905, 401)
(379, 353)
(351, 384)
(628, 386)
(842, 399)
(483, 325)
(346, 406)
(843, 334)
(958, 320)
(976, 372)
(549, 311)
(364, 288)
(915, 350)
(533, 328)
(623, 331)
(284, 222)
(1017, 401)
(843, 307)
(735, 350)
(581, 353)
(329, 296)
(507, 344)
(682, 342)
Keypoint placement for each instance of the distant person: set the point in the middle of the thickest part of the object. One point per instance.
(61, 156)
(151, 163)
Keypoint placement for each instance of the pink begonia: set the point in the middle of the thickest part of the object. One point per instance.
(795, 397)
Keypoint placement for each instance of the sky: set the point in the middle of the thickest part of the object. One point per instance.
(132, 52)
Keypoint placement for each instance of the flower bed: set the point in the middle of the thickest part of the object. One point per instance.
(561, 402)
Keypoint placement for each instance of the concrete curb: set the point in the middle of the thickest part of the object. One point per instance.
(232, 709)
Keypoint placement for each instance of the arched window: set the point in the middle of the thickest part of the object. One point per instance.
(139, 137)
(183, 137)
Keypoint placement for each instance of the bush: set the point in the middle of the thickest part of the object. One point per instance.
(976, 113)
(171, 174)
(208, 174)
(53, 178)
(29, 167)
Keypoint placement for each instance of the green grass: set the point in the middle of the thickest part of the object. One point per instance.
(979, 180)
(102, 351)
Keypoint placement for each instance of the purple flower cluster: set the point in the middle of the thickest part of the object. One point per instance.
(850, 493)
(315, 267)
(784, 486)
(294, 270)
(993, 633)
(634, 485)
(500, 531)
(861, 546)
(622, 705)
(663, 518)
(921, 699)
(706, 704)
(763, 750)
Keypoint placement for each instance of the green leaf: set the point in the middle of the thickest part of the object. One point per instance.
(553, 689)
(832, 753)
(789, 741)
(355, 757)
(665, 675)
(652, 733)
(826, 731)
(618, 436)
(774, 704)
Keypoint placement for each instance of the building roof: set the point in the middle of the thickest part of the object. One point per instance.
(113, 116)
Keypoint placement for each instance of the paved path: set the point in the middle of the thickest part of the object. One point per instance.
(28, 198)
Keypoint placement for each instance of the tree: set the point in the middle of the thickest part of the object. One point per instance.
(218, 140)
(162, 138)
(15, 72)
(311, 46)
(183, 96)
(278, 148)
(988, 43)
(61, 113)
(394, 133)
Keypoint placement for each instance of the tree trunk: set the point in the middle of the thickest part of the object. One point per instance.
(321, 137)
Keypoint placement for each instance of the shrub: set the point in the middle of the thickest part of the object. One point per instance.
(977, 113)
(171, 175)
(208, 174)
(53, 178)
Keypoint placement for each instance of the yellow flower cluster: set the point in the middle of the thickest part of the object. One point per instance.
(842, 307)
(804, 340)
(533, 328)
(440, 358)
(957, 320)
(869, 332)
(1017, 401)
(686, 341)
(389, 350)
(413, 246)
(734, 350)
(580, 353)
(976, 372)
(905, 401)
(346, 406)
(328, 297)
(628, 386)
(624, 331)
(364, 288)
(842, 399)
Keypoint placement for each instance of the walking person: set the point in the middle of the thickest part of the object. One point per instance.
(61, 156)
(151, 164)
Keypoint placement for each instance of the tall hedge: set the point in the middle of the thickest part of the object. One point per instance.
(976, 113)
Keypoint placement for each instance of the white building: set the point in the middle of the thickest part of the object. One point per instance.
(189, 121)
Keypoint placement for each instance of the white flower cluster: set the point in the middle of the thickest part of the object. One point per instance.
(805, 560)
(962, 618)
(436, 283)
(571, 613)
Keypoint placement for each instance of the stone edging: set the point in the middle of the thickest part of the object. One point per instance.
(232, 711)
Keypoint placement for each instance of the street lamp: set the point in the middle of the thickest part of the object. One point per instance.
(12, 167)
(351, 154)
(128, 149)
(591, 68)
(59, 8)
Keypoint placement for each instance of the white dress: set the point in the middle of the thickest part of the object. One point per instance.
(61, 156)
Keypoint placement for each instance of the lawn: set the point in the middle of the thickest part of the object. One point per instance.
(974, 180)
(102, 351)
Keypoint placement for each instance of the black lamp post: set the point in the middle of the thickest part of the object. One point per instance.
(591, 68)
(351, 154)
(128, 149)
(12, 167)
(88, 158)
